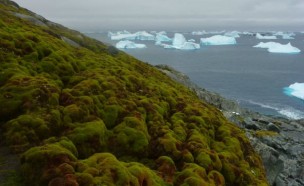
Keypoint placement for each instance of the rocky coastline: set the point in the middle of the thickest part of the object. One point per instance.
(279, 141)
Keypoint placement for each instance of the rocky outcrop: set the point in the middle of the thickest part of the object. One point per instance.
(279, 141)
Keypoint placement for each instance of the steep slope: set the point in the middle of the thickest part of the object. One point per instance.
(83, 113)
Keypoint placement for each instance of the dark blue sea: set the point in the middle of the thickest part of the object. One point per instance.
(253, 77)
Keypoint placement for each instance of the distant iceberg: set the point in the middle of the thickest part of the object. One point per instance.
(129, 44)
(198, 33)
(218, 40)
(274, 47)
(143, 35)
(247, 33)
(234, 34)
(259, 36)
(123, 36)
(180, 42)
(287, 36)
(160, 37)
(296, 90)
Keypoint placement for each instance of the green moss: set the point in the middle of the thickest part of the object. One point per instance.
(262, 133)
(68, 104)
(36, 161)
(203, 159)
(111, 115)
(89, 138)
(26, 129)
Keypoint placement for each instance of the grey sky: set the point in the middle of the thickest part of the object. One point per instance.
(98, 15)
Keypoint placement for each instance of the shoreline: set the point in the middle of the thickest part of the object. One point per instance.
(277, 140)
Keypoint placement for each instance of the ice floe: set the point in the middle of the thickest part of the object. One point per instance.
(275, 47)
(126, 44)
(296, 90)
(218, 40)
(259, 36)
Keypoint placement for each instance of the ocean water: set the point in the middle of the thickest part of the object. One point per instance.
(253, 77)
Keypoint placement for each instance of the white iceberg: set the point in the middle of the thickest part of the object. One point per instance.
(218, 40)
(180, 42)
(168, 46)
(190, 46)
(123, 36)
(162, 38)
(129, 44)
(274, 47)
(247, 33)
(259, 36)
(198, 33)
(287, 36)
(234, 34)
(143, 35)
(216, 32)
(296, 90)
(280, 33)
(191, 40)
(162, 33)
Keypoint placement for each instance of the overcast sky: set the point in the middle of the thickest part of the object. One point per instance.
(103, 15)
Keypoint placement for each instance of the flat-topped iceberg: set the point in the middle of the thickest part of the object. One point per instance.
(248, 33)
(180, 42)
(234, 34)
(296, 90)
(274, 47)
(259, 36)
(125, 35)
(218, 40)
(129, 44)
(198, 33)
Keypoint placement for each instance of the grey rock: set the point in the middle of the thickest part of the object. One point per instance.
(70, 42)
(29, 18)
(273, 127)
(249, 124)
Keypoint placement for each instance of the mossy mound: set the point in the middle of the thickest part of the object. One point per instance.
(87, 114)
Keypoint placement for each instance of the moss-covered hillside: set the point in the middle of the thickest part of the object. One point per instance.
(81, 113)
